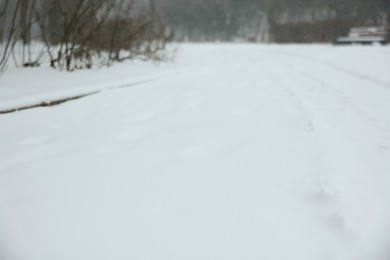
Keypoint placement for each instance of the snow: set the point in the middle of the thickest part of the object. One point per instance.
(233, 151)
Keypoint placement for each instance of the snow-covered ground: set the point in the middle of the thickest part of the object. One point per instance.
(230, 152)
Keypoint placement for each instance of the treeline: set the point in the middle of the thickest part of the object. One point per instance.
(323, 20)
(271, 20)
(212, 20)
(77, 34)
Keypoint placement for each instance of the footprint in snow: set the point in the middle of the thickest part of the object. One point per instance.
(384, 149)
(325, 202)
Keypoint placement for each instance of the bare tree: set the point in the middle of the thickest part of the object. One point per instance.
(8, 17)
(25, 52)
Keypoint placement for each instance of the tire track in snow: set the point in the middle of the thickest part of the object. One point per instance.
(366, 117)
(337, 68)
(340, 108)
(344, 103)
(317, 189)
(338, 122)
(320, 191)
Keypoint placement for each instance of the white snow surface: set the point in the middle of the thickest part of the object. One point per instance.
(233, 151)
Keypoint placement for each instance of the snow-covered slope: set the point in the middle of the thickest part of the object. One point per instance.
(231, 152)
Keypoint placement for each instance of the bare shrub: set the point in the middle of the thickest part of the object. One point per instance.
(82, 33)
(78, 34)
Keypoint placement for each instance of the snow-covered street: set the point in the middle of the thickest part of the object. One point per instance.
(232, 151)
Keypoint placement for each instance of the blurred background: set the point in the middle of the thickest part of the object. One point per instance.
(279, 21)
(78, 34)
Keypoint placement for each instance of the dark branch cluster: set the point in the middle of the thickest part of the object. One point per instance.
(78, 34)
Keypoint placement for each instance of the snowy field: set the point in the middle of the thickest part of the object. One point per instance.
(231, 152)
